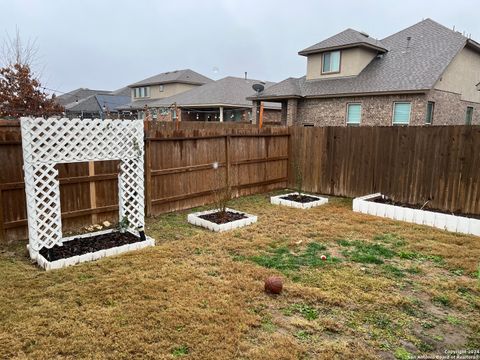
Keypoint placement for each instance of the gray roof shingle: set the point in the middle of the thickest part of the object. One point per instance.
(178, 76)
(229, 91)
(347, 38)
(416, 67)
(77, 95)
(95, 103)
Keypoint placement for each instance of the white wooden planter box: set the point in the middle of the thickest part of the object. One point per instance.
(277, 200)
(195, 219)
(438, 220)
(61, 263)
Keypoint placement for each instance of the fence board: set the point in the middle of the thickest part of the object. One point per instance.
(410, 164)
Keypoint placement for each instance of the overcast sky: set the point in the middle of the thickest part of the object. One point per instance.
(111, 43)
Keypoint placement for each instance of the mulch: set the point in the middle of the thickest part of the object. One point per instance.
(389, 201)
(300, 198)
(223, 217)
(80, 246)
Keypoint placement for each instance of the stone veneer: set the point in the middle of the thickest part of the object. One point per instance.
(378, 109)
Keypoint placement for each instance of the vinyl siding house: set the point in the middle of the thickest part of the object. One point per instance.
(221, 100)
(425, 74)
(161, 86)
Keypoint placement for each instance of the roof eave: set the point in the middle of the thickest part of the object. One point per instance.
(472, 44)
(167, 82)
(371, 93)
(348, 46)
(273, 97)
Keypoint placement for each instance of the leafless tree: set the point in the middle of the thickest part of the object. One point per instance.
(15, 50)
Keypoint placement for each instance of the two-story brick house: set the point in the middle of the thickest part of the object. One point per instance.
(424, 74)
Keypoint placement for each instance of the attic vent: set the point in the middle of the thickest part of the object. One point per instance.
(364, 34)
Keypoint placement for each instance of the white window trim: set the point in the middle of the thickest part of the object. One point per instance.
(346, 117)
(409, 114)
(339, 62)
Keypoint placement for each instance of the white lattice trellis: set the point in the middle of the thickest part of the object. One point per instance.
(52, 141)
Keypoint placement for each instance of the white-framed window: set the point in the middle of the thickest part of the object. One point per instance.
(354, 114)
(469, 115)
(430, 111)
(161, 88)
(331, 62)
(140, 92)
(401, 113)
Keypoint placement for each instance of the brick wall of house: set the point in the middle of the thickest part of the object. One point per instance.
(378, 110)
(271, 115)
(450, 109)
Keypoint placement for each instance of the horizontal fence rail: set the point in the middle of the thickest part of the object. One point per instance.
(436, 166)
(439, 166)
(178, 172)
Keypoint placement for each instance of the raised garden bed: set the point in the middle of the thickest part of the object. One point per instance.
(302, 201)
(88, 247)
(215, 221)
(379, 205)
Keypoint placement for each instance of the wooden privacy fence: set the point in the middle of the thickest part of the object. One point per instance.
(178, 173)
(438, 164)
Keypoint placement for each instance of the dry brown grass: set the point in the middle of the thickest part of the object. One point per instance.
(199, 295)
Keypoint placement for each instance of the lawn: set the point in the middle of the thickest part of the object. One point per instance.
(387, 290)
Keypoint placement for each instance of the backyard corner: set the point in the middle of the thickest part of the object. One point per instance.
(387, 289)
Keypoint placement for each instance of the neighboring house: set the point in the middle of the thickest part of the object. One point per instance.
(221, 100)
(88, 103)
(424, 74)
(162, 86)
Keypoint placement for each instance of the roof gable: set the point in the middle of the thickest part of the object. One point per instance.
(345, 39)
(417, 57)
(186, 76)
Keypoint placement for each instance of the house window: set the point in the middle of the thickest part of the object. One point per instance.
(308, 125)
(469, 115)
(430, 110)
(161, 88)
(141, 92)
(401, 113)
(354, 114)
(331, 62)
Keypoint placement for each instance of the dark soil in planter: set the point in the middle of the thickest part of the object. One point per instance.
(80, 246)
(221, 217)
(301, 198)
(386, 200)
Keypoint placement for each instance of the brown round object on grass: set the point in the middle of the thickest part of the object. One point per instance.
(273, 285)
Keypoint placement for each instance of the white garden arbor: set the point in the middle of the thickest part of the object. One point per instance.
(48, 142)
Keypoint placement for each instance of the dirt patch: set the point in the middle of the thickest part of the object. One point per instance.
(85, 245)
(388, 201)
(223, 217)
(300, 198)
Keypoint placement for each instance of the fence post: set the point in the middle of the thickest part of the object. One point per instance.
(227, 160)
(148, 177)
(2, 220)
(93, 191)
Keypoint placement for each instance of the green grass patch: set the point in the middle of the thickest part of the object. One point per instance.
(437, 259)
(389, 238)
(393, 271)
(368, 253)
(402, 354)
(304, 310)
(303, 335)
(282, 258)
(180, 351)
(441, 300)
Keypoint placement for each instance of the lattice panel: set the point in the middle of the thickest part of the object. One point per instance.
(52, 141)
